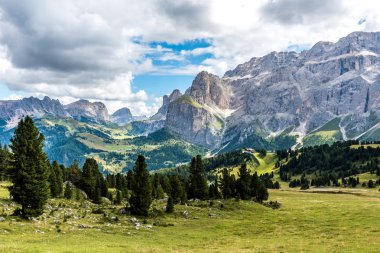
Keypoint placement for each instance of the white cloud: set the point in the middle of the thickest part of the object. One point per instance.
(92, 49)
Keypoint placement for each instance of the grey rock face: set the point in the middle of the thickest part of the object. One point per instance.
(166, 100)
(83, 109)
(209, 89)
(31, 106)
(122, 116)
(301, 91)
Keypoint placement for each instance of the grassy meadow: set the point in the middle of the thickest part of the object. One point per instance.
(305, 222)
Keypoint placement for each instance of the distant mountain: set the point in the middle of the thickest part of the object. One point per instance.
(122, 116)
(328, 93)
(281, 100)
(12, 111)
(85, 110)
(82, 129)
(166, 100)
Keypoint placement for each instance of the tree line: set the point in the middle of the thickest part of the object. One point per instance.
(328, 165)
(35, 179)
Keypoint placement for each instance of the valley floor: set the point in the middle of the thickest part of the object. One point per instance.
(306, 222)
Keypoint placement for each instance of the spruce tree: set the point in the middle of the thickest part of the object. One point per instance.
(118, 197)
(5, 156)
(59, 179)
(53, 183)
(170, 205)
(244, 181)
(198, 184)
(68, 194)
(225, 184)
(93, 182)
(74, 175)
(30, 169)
(262, 192)
(177, 189)
(141, 198)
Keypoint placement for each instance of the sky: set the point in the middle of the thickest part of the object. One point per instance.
(129, 53)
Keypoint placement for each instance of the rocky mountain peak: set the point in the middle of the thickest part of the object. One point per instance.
(166, 100)
(84, 109)
(209, 89)
(32, 106)
(122, 116)
(286, 94)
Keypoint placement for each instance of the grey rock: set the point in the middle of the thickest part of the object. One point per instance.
(122, 116)
(85, 110)
(260, 99)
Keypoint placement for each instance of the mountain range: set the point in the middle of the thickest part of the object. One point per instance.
(328, 93)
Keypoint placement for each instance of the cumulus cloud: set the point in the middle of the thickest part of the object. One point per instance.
(300, 11)
(92, 49)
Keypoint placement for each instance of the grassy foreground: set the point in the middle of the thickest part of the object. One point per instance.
(306, 222)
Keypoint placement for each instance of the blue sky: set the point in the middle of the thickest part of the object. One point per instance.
(128, 53)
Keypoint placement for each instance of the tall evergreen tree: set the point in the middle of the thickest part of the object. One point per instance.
(53, 183)
(262, 192)
(177, 189)
(157, 191)
(244, 181)
(74, 174)
(170, 205)
(213, 190)
(141, 198)
(198, 184)
(68, 194)
(225, 184)
(59, 179)
(5, 156)
(93, 182)
(29, 169)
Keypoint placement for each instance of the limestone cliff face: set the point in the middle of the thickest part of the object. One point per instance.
(83, 109)
(209, 89)
(193, 122)
(122, 116)
(199, 115)
(166, 100)
(31, 106)
(280, 91)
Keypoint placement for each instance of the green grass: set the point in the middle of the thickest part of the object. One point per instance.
(328, 133)
(366, 145)
(306, 222)
(266, 164)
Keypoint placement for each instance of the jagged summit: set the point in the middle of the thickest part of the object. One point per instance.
(84, 109)
(122, 116)
(286, 95)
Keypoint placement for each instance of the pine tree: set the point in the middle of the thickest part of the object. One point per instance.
(177, 189)
(118, 197)
(4, 162)
(68, 194)
(74, 175)
(198, 185)
(93, 182)
(29, 169)
(214, 189)
(262, 192)
(141, 198)
(53, 183)
(58, 175)
(225, 184)
(170, 205)
(244, 181)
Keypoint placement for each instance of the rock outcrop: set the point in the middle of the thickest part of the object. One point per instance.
(166, 100)
(85, 110)
(122, 116)
(286, 95)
